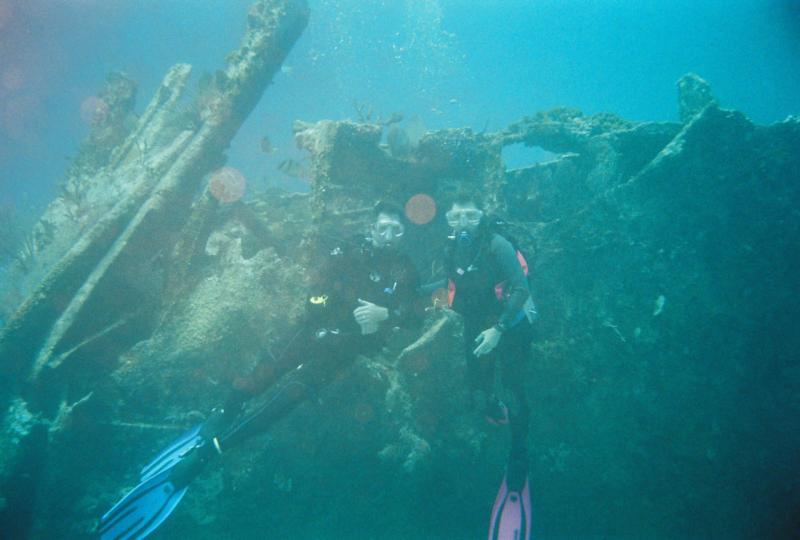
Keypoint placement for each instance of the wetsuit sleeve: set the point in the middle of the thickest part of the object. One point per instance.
(516, 283)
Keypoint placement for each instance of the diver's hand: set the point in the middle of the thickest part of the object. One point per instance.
(487, 341)
(369, 313)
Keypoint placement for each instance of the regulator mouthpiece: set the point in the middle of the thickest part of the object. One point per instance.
(464, 239)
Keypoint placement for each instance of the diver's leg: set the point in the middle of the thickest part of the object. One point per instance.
(224, 430)
(271, 367)
(291, 393)
(325, 356)
(516, 353)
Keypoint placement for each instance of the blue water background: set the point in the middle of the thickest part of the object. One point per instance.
(449, 62)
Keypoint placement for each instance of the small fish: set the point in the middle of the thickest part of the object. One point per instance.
(266, 146)
(292, 168)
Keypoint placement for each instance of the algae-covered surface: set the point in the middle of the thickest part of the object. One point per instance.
(663, 378)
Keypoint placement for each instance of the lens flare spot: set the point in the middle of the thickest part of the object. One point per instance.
(418, 363)
(12, 79)
(18, 118)
(227, 185)
(420, 209)
(94, 110)
(364, 413)
(5, 13)
(307, 446)
(428, 421)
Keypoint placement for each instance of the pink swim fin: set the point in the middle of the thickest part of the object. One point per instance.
(511, 514)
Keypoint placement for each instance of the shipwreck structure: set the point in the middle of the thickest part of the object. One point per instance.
(663, 264)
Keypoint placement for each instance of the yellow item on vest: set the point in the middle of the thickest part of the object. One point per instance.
(322, 299)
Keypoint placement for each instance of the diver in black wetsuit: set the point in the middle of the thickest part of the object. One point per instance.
(488, 286)
(360, 293)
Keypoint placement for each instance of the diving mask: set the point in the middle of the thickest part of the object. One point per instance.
(389, 228)
(385, 231)
(463, 217)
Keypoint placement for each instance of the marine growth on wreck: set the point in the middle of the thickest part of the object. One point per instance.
(662, 259)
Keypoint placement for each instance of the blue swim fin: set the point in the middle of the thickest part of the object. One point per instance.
(142, 510)
(162, 486)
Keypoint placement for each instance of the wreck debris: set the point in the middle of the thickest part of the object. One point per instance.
(64, 416)
(694, 95)
(157, 172)
(364, 113)
(624, 209)
(562, 130)
(428, 336)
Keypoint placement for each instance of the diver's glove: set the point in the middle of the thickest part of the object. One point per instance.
(487, 341)
(369, 316)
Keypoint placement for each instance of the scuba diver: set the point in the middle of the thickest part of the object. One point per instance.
(363, 290)
(488, 286)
